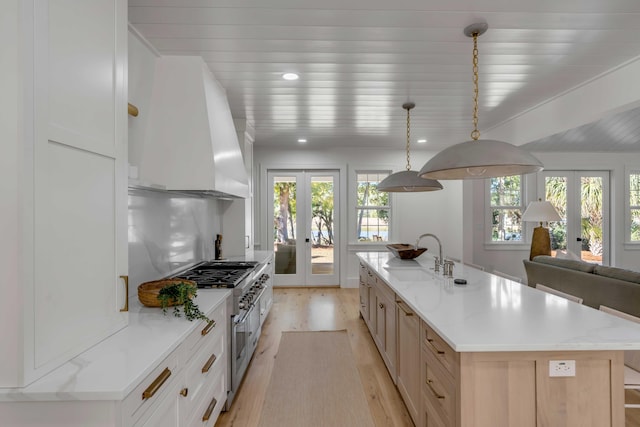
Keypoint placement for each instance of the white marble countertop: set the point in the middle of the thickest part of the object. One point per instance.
(113, 368)
(491, 313)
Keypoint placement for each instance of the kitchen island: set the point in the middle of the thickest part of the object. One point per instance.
(485, 351)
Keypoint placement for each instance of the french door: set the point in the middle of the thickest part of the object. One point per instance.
(582, 200)
(303, 206)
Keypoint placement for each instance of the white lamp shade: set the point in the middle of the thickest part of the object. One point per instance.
(484, 158)
(407, 181)
(540, 211)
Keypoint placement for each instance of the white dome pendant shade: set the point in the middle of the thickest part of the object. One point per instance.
(408, 181)
(479, 158)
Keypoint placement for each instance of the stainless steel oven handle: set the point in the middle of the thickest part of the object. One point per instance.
(241, 319)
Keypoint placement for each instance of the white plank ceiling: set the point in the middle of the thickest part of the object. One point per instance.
(360, 60)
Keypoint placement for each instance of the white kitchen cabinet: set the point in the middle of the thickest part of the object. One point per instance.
(67, 282)
(408, 380)
(123, 382)
(266, 300)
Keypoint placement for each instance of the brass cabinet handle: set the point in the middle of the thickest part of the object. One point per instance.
(132, 110)
(156, 384)
(208, 328)
(405, 308)
(207, 365)
(210, 408)
(184, 392)
(430, 341)
(126, 293)
(433, 390)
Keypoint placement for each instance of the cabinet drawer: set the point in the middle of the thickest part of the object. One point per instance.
(204, 330)
(431, 417)
(152, 389)
(206, 364)
(385, 290)
(440, 349)
(207, 410)
(438, 387)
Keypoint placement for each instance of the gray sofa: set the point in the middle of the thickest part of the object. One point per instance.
(597, 285)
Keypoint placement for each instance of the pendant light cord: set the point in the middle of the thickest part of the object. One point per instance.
(408, 137)
(475, 134)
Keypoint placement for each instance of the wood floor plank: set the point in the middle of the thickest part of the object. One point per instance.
(317, 309)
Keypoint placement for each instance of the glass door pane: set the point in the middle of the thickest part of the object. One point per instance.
(591, 218)
(556, 193)
(581, 198)
(322, 225)
(284, 223)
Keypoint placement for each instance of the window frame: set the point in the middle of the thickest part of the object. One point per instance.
(353, 201)
(524, 241)
(629, 244)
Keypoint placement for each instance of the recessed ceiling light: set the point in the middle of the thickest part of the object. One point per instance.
(422, 141)
(290, 76)
(302, 140)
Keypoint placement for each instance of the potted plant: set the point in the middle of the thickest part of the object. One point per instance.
(172, 293)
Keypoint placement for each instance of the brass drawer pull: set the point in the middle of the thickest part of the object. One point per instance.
(433, 390)
(208, 328)
(405, 308)
(156, 384)
(126, 293)
(207, 365)
(184, 392)
(132, 110)
(430, 341)
(209, 410)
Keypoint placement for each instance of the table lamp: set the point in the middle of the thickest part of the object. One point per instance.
(540, 211)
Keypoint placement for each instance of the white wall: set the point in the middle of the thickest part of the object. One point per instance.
(168, 232)
(510, 261)
(438, 212)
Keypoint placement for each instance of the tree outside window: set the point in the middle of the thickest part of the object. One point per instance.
(505, 195)
(634, 206)
(373, 210)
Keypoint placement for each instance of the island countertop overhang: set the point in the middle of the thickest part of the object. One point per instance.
(494, 314)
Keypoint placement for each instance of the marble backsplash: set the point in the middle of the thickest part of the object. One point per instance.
(167, 232)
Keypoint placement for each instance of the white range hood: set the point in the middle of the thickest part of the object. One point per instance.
(191, 143)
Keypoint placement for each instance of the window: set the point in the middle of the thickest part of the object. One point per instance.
(634, 207)
(505, 206)
(373, 208)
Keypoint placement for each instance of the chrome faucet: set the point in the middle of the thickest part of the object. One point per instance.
(439, 260)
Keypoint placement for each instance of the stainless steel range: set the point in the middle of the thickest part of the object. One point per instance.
(248, 282)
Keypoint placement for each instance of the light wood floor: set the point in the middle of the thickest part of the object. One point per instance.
(317, 309)
(632, 415)
(324, 309)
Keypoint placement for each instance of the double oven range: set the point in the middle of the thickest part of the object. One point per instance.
(249, 280)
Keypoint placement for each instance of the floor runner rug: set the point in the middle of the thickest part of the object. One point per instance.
(315, 383)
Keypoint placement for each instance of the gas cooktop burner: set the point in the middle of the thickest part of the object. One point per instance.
(218, 274)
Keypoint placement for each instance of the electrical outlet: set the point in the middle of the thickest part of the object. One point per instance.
(562, 368)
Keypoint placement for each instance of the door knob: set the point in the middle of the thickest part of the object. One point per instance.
(579, 239)
(306, 240)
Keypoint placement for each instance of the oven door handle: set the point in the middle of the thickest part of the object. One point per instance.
(241, 319)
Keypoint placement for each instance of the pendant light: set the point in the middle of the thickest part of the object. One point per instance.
(479, 158)
(408, 181)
